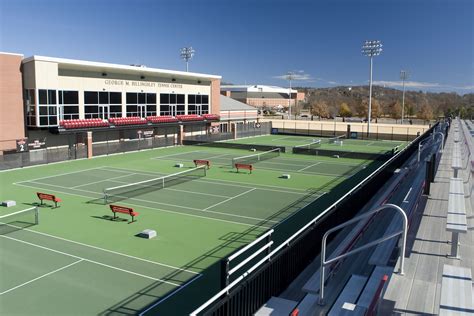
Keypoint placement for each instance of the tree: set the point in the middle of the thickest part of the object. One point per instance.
(363, 109)
(320, 108)
(425, 112)
(395, 110)
(344, 110)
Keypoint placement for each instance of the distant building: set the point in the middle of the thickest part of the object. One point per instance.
(262, 96)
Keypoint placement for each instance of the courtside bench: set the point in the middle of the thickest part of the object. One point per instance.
(48, 197)
(457, 297)
(123, 209)
(202, 162)
(244, 166)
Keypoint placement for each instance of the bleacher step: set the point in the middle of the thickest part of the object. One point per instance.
(277, 306)
(372, 285)
(349, 294)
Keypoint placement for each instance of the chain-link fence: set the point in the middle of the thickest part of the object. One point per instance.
(253, 129)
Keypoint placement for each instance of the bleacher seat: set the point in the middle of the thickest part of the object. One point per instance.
(190, 117)
(211, 117)
(83, 123)
(134, 120)
(161, 119)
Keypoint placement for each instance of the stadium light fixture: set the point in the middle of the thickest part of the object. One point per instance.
(371, 49)
(403, 77)
(289, 76)
(186, 54)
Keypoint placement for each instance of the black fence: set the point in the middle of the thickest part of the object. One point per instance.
(209, 137)
(253, 129)
(232, 145)
(271, 278)
(343, 154)
(42, 156)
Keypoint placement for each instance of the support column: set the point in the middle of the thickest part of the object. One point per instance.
(233, 127)
(89, 145)
(180, 135)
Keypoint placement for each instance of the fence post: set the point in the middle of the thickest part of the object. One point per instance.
(428, 168)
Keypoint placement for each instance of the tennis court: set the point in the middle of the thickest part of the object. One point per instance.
(354, 145)
(88, 262)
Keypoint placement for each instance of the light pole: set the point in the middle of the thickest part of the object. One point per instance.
(289, 76)
(371, 49)
(403, 76)
(186, 54)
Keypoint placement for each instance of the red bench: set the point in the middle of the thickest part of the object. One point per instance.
(123, 209)
(48, 197)
(244, 166)
(198, 162)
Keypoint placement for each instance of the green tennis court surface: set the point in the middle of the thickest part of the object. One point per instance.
(354, 145)
(78, 260)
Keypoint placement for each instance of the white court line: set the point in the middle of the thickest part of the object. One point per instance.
(238, 195)
(108, 179)
(180, 206)
(91, 261)
(40, 277)
(59, 175)
(264, 187)
(171, 155)
(369, 144)
(147, 207)
(315, 164)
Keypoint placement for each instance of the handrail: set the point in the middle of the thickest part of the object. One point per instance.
(403, 232)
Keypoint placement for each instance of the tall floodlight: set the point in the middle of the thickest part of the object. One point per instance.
(289, 76)
(403, 77)
(371, 49)
(186, 54)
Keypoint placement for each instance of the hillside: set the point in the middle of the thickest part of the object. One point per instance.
(386, 102)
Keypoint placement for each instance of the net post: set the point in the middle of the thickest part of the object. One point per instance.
(105, 197)
(36, 215)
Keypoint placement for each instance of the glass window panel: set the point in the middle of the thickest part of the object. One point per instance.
(43, 96)
(151, 98)
(164, 107)
(141, 98)
(164, 98)
(115, 98)
(51, 96)
(52, 110)
(180, 107)
(132, 108)
(53, 120)
(198, 99)
(91, 109)
(205, 99)
(151, 107)
(103, 98)
(70, 97)
(91, 97)
(60, 94)
(43, 120)
(172, 98)
(191, 107)
(116, 108)
(131, 98)
(43, 110)
(180, 98)
(205, 107)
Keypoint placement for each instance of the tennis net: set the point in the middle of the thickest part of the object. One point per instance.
(315, 144)
(19, 220)
(127, 191)
(256, 157)
(336, 140)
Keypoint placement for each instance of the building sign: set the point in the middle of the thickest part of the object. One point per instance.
(145, 134)
(21, 145)
(131, 83)
(37, 144)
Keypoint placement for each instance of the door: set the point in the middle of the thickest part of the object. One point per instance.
(104, 112)
(198, 109)
(173, 109)
(141, 110)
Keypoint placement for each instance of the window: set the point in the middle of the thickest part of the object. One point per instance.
(30, 103)
(48, 109)
(141, 104)
(198, 104)
(68, 104)
(102, 104)
(172, 104)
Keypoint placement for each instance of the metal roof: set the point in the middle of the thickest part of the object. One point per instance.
(229, 104)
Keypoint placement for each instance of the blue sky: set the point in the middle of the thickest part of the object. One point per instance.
(256, 41)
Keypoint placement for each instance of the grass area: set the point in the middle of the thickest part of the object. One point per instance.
(93, 264)
(352, 145)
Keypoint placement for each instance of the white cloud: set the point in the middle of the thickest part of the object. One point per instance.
(300, 75)
(421, 85)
